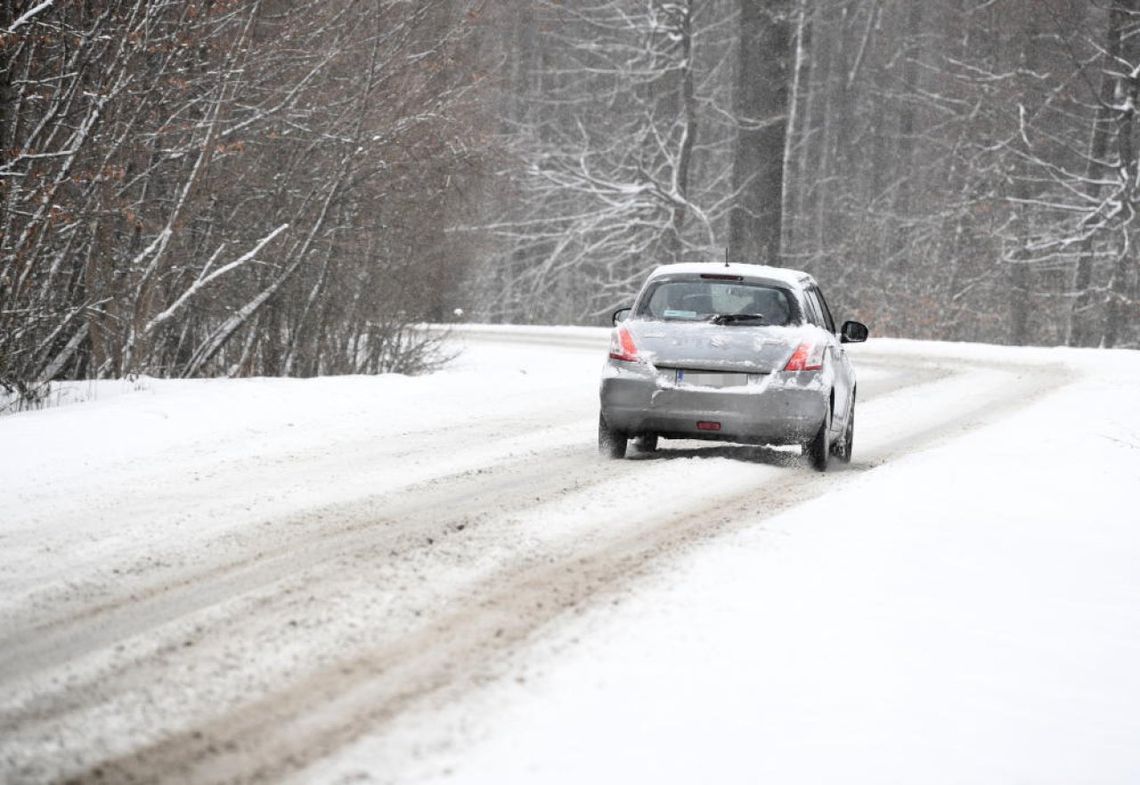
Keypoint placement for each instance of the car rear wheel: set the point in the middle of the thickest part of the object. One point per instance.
(610, 443)
(646, 443)
(819, 448)
(843, 449)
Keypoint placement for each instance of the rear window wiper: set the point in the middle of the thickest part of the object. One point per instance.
(738, 318)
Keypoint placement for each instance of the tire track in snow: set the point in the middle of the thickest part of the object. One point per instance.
(286, 547)
(335, 705)
(397, 521)
(226, 495)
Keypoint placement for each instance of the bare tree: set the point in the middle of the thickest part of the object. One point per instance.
(188, 187)
(624, 141)
(764, 76)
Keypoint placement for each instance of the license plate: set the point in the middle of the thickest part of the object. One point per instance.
(707, 379)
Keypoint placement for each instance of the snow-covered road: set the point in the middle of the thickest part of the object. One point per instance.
(437, 579)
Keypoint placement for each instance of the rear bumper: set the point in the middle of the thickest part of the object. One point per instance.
(776, 408)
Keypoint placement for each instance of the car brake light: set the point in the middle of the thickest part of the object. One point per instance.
(806, 357)
(708, 425)
(622, 346)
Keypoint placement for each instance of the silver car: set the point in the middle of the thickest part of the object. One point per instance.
(738, 353)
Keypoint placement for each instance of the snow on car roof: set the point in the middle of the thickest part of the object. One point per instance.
(780, 274)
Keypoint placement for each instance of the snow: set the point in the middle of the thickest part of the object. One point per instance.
(29, 14)
(959, 606)
(782, 274)
(916, 639)
(965, 613)
(84, 481)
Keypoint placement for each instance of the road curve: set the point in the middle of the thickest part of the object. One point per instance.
(246, 658)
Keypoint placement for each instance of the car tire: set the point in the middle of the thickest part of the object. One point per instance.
(611, 443)
(818, 450)
(844, 449)
(646, 443)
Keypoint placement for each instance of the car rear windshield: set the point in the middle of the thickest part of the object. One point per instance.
(701, 300)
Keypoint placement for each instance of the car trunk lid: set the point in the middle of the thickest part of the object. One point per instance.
(701, 346)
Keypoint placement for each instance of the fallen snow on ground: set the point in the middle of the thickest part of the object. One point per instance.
(965, 614)
(962, 606)
(120, 470)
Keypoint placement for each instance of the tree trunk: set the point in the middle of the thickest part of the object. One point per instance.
(688, 131)
(1019, 278)
(908, 128)
(1081, 330)
(761, 107)
(1116, 300)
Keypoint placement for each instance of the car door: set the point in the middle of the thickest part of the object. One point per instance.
(844, 373)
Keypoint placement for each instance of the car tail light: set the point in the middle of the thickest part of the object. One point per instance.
(806, 357)
(708, 425)
(622, 346)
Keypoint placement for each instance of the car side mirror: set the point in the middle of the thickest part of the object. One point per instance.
(620, 315)
(853, 332)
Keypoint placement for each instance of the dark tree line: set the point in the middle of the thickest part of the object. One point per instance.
(967, 169)
(204, 187)
(228, 186)
(954, 169)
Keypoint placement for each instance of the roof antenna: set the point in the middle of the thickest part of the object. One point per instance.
(726, 256)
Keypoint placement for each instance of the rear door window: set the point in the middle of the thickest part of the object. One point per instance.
(828, 322)
(814, 311)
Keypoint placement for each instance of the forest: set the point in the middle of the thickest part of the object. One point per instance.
(294, 187)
